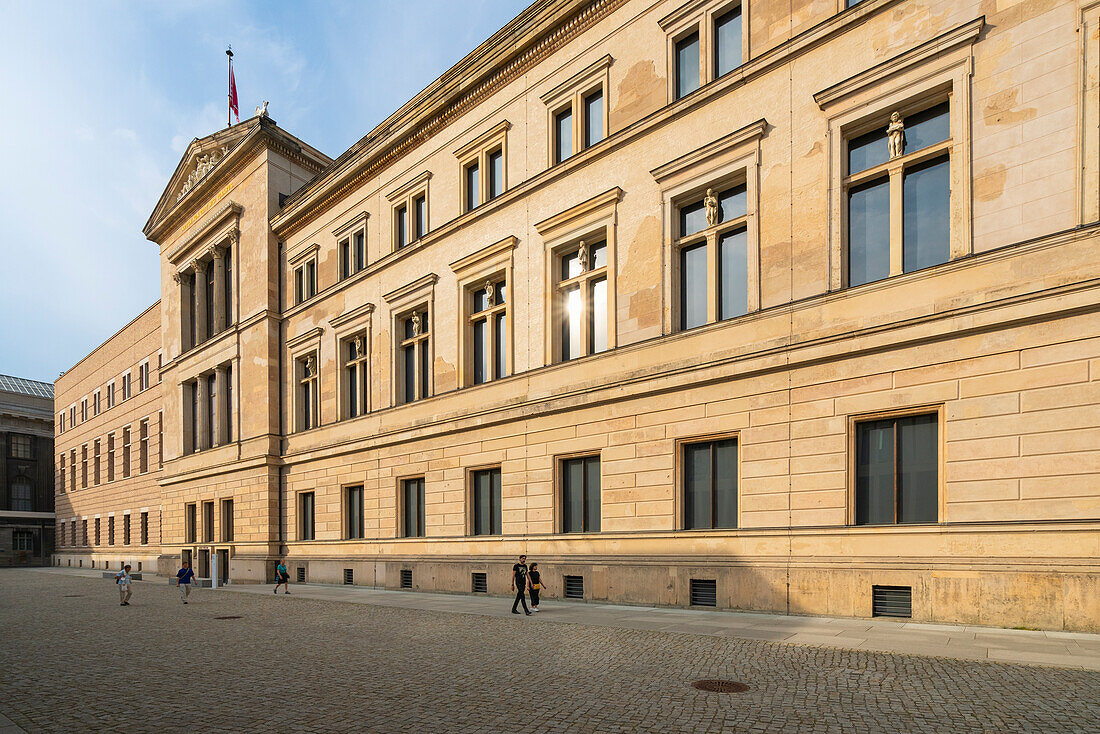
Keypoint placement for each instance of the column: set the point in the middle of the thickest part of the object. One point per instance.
(219, 292)
(221, 425)
(200, 301)
(201, 427)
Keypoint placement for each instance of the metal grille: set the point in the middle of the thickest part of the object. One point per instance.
(891, 601)
(480, 584)
(406, 578)
(704, 593)
(574, 587)
(349, 577)
(301, 574)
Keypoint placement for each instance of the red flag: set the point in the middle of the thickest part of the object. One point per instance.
(233, 92)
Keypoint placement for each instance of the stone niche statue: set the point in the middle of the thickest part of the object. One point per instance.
(895, 135)
(416, 323)
(710, 204)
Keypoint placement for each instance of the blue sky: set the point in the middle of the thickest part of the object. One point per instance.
(98, 101)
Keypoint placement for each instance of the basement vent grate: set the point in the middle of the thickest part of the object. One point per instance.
(479, 583)
(704, 593)
(891, 601)
(301, 574)
(406, 578)
(574, 587)
(349, 577)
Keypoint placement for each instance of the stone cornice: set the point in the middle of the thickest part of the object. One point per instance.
(536, 32)
(312, 335)
(465, 263)
(365, 310)
(596, 203)
(752, 131)
(427, 281)
(228, 210)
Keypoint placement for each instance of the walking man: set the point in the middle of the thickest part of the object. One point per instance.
(184, 577)
(122, 578)
(519, 585)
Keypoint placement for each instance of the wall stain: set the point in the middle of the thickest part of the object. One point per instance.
(639, 275)
(990, 183)
(640, 92)
(1000, 108)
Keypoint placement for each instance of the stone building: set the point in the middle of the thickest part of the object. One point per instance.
(754, 305)
(26, 471)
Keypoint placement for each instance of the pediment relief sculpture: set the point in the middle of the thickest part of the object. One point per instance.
(203, 165)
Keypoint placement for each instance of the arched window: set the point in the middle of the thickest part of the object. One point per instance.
(22, 494)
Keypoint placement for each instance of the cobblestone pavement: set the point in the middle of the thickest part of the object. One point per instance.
(73, 660)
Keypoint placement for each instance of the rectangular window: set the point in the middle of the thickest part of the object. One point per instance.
(208, 522)
(687, 65)
(489, 331)
(143, 376)
(143, 446)
(306, 516)
(228, 403)
(307, 392)
(580, 501)
(473, 187)
(61, 460)
(727, 42)
(125, 453)
(22, 495)
(72, 469)
(713, 243)
(910, 156)
(111, 530)
(190, 523)
(305, 281)
(710, 484)
(412, 496)
(95, 461)
(22, 540)
(582, 300)
(420, 207)
(126, 386)
(126, 530)
(227, 521)
(95, 403)
(110, 457)
(401, 226)
(22, 446)
(160, 439)
(897, 470)
(563, 135)
(97, 535)
(208, 276)
(359, 250)
(593, 118)
(354, 508)
(84, 532)
(345, 258)
(211, 409)
(413, 357)
(483, 167)
(355, 376)
(84, 466)
(486, 501)
(110, 396)
(228, 283)
(145, 528)
(496, 173)
(83, 409)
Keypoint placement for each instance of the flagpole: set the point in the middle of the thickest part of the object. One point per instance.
(229, 90)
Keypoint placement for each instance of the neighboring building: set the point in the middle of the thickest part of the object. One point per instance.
(665, 295)
(26, 472)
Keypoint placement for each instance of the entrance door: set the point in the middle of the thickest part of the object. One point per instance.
(223, 565)
(203, 570)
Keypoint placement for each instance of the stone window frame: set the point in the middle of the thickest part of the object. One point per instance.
(680, 476)
(472, 272)
(405, 197)
(300, 349)
(935, 71)
(470, 471)
(572, 95)
(698, 16)
(559, 489)
(300, 265)
(732, 159)
(110, 391)
(143, 375)
(592, 220)
(345, 510)
(355, 323)
(1088, 122)
(345, 236)
(97, 402)
(299, 523)
(940, 410)
(478, 151)
(400, 506)
(415, 296)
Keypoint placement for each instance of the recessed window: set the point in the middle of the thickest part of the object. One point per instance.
(909, 155)
(306, 516)
(483, 163)
(489, 331)
(126, 386)
(145, 528)
(95, 461)
(727, 41)
(226, 529)
(412, 507)
(305, 281)
(22, 495)
(687, 65)
(307, 392)
(353, 504)
(61, 475)
(95, 403)
(353, 253)
(356, 362)
(897, 470)
(125, 453)
(581, 306)
(84, 466)
(126, 530)
(563, 134)
(495, 169)
(22, 540)
(208, 522)
(143, 446)
(713, 256)
(111, 530)
(593, 118)
(710, 484)
(110, 395)
(110, 457)
(486, 501)
(577, 114)
(473, 186)
(22, 446)
(580, 495)
(401, 226)
(414, 356)
(97, 535)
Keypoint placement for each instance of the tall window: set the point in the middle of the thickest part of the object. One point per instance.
(710, 484)
(353, 254)
(126, 530)
(579, 124)
(897, 470)
(145, 528)
(111, 530)
(563, 134)
(95, 403)
(83, 409)
(110, 395)
(909, 156)
(580, 490)
(727, 41)
(125, 453)
(143, 376)
(489, 331)
(307, 393)
(209, 278)
(22, 446)
(593, 118)
(126, 386)
(687, 65)
(401, 226)
(97, 527)
(61, 460)
(227, 521)
(414, 358)
(486, 501)
(143, 446)
(84, 466)
(84, 532)
(305, 516)
(355, 376)
(211, 409)
(227, 258)
(190, 518)
(483, 166)
(110, 457)
(412, 497)
(22, 495)
(208, 522)
(72, 469)
(354, 512)
(72, 532)
(473, 185)
(713, 257)
(305, 281)
(95, 461)
(495, 170)
(160, 438)
(582, 300)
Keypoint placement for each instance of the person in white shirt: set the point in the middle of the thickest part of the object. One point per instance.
(122, 578)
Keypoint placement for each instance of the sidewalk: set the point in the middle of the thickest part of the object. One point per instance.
(1060, 649)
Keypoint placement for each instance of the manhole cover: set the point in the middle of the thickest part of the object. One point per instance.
(73, 596)
(720, 686)
(230, 617)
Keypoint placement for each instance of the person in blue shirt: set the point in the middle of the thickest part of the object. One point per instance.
(124, 581)
(184, 577)
(282, 578)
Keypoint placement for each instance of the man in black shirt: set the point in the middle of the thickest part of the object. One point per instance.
(519, 585)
